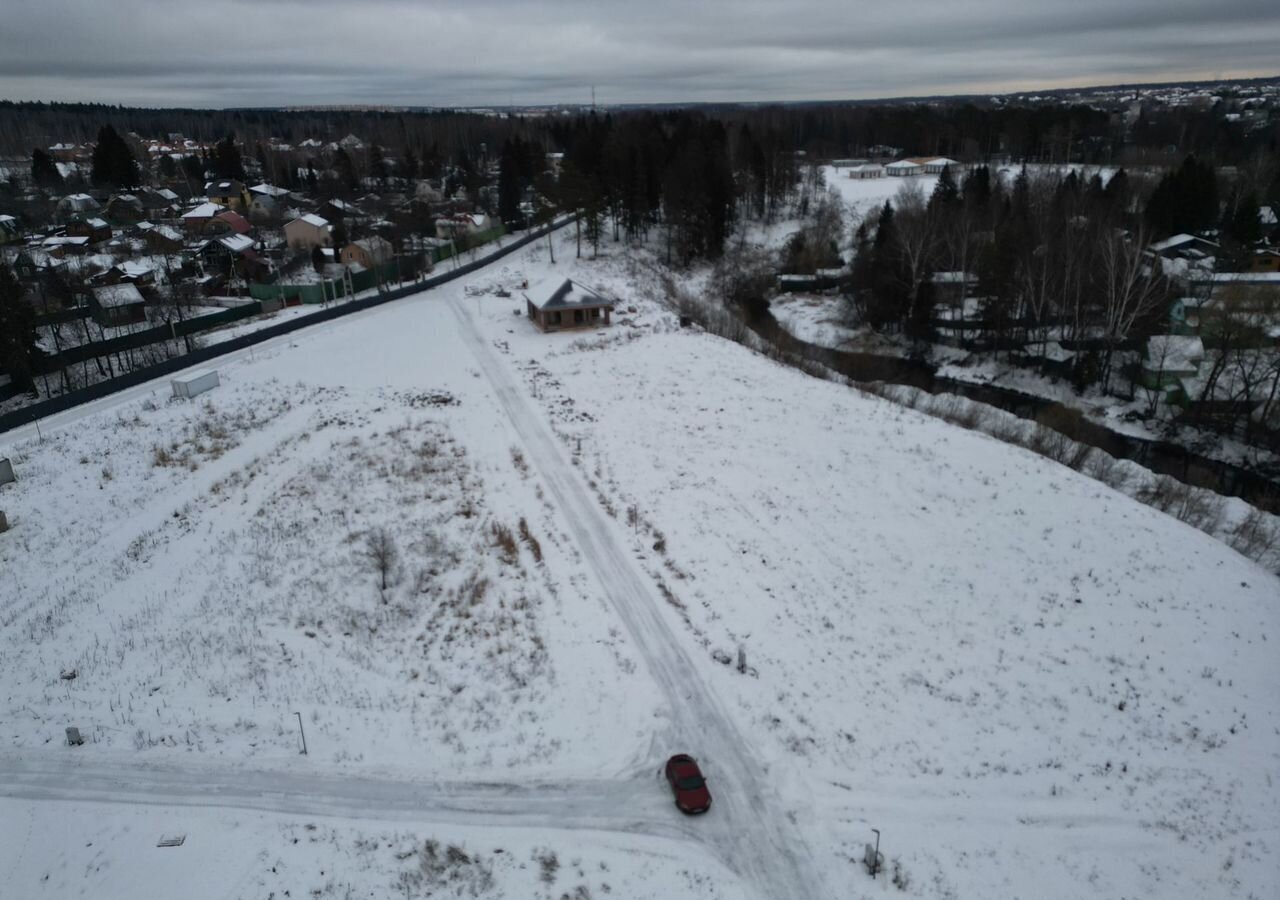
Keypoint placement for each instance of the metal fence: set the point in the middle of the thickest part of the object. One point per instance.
(40, 409)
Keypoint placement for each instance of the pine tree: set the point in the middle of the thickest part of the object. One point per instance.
(44, 171)
(18, 350)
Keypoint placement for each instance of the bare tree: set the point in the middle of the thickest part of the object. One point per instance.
(380, 550)
(1130, 289)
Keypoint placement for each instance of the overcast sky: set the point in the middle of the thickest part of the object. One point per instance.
(491, 52)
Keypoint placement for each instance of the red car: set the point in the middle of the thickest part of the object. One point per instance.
(688, 784)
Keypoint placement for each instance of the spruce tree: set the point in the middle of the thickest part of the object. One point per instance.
(509, 164)
(226, 159)
(945, 194)
(113, 162)
(44, 171)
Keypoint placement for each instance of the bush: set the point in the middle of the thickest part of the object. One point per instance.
(1198, 508)
(505, 542)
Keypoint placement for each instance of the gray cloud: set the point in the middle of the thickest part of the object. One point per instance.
(270, 52)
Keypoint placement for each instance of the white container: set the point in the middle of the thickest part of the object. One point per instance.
(189, 386)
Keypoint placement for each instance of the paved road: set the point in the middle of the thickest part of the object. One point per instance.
(746, 826)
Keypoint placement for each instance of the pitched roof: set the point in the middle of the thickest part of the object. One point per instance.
(239, 224)
(236, 243)
(269, 190)
(558, 292)
(223, 188)
(117, 295)
(1177, 240)
(203, 211)
(313, 219)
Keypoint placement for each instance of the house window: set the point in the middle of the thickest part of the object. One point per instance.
(595, 313)
(555, 318)
(577, 316)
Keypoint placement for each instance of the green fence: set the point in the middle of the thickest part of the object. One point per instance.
(439, 254)
(335, 288)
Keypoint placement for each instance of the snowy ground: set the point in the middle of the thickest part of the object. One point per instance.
(109, 850)
(1033, 685)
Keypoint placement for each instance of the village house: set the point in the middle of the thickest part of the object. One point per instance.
(62, 246)
(161, 238)
(124, 209)
(266, 201)
(1184, 246)
(118, 304)
(233, 222)
(24, 266)
(76, 204)
(557, 303)
(95, 229)
(197, 220)
(307, 231)
(1264, 261)
(1168, 359)
(229, 193)
(130, 272)
(369, 252)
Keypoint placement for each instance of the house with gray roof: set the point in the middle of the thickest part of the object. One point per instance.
(558, 302)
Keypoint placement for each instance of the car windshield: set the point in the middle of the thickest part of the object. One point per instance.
(690, 782)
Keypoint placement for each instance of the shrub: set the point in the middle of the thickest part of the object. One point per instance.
(505, 542)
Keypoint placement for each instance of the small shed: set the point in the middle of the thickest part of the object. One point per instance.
(118, 304)
(188, 386)
(6, 471)
(559, 302)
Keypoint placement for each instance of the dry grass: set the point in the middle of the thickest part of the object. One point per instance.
(505, 541)
(532, 542)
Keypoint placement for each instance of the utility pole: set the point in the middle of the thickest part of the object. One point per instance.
(304, 742)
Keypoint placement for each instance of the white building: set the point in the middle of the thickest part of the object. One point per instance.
(904, 168)
(867, 170)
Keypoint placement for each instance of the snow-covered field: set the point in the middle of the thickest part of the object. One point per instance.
(1032, 685)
